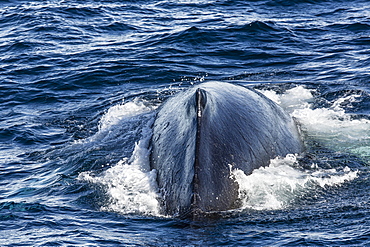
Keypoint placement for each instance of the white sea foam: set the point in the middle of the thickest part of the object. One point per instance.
(279, 184)
(119, 121)
(331, 126)
(130, 184)
(130, 109)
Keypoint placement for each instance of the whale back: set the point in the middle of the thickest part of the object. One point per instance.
(203, 133)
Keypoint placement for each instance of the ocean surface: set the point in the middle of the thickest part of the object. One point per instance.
(80, 83)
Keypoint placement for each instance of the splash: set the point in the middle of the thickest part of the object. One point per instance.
(130, 184)
(121, 122)
(280, 184)
(122, 111)
(331, 126)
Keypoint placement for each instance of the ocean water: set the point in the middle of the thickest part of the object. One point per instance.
(80, 82)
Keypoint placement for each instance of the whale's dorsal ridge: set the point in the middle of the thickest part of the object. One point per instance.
(201, 99)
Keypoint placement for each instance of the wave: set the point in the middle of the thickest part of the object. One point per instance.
(205, 37)
(353, 27)
(295, 3)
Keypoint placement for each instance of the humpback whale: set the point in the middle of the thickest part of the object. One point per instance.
(201, 134)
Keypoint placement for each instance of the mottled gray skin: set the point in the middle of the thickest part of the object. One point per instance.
(201, 134)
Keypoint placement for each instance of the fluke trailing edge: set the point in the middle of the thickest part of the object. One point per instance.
(201, 134)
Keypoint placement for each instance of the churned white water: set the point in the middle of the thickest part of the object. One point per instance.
(278, 185)
(122, 111)
(331, 126)
(130, 184)
(132, 188)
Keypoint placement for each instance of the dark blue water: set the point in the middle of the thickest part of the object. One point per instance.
(79, 85)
